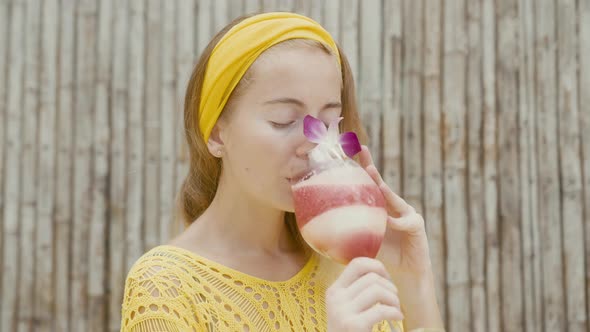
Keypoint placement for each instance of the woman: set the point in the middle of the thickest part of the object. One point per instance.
(241, 264)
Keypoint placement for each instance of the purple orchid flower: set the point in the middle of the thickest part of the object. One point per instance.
(315, 131)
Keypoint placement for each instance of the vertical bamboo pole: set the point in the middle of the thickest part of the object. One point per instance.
(432, 161)
(490, 160)
(572, 208)
(236, 8)
(44, 243)
(268, 5)
(118, 162)
(475, 167)
(584, 123)
(316, 10)
(412, 72)
(528, 170)
(136, 138)
(168, 112)
(549, 198)
(152, 131)
(12, 185)
(221, 15)
(65, 165)
(185, 58)
(332, 18)
(369, 83)
(454, 148)
(4, 28)
(349, 23)
(29, 174)
(507, 113)
(250, 7)
(86, 19)
(97, 297)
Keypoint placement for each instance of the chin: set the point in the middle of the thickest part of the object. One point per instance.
(286, 202)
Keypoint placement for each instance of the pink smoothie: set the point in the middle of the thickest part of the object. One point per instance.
(341, 213)
(313, 200)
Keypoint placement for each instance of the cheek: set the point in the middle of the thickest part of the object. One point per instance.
(260, 155)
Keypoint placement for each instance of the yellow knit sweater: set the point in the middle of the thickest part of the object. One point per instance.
(172, 289)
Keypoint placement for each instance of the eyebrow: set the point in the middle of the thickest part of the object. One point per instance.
(299, 103)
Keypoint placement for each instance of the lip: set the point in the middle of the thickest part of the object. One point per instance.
(301, 176)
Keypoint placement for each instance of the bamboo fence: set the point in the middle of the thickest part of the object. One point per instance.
(478, 113)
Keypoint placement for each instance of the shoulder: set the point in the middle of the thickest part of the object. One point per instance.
(157, 289)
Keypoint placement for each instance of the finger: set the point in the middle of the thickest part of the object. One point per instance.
(374, 174)
(357, 268)
(396, 203)
(381, 312)
(375, 294)
(365, 158)
(367, 281)
(406, 223)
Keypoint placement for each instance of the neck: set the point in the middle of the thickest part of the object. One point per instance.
(243, 225)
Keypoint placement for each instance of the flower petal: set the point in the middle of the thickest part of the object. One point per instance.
(333, 129)
(314, 129)
(350, 144)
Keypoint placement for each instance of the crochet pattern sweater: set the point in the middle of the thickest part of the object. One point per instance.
(173, 289)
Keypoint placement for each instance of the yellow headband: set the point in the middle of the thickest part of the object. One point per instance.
(240, 47)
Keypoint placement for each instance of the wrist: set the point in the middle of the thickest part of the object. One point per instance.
(418, 300)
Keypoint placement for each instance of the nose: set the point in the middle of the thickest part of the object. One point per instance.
(303, 149)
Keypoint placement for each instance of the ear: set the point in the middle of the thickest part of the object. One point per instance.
(215, 144)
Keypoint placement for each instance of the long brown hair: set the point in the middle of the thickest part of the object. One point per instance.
(200, 185)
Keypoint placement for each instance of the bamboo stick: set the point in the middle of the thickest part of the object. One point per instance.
(572, 214)
(332, 18)
(168, 111)
(97, 251)
(221, 15)
(303, 7)
(584, 123)
(316, 10)
(136, 138)
(454, 144)
(118, 162)
(490, 159)
(510, 232)
(412, 74)
(285, 5)
(369, 83)
(184, 64)
(4, 26)
(29, 174)
(432, 162)
(151, 179)
(349, 23)
(235, 8)
(12, 186)
(269, 5)
(65, 166)
(204, 23)
(44, 245)
(392, 66)
(528, 170)
(549, 200)
(82, 199)
(475, 168)
(250, 7)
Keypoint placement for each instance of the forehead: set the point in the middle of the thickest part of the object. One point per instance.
(297, 64)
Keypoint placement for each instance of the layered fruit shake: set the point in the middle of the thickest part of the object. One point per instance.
(341, 212)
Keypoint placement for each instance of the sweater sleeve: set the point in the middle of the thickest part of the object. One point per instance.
(156, 300)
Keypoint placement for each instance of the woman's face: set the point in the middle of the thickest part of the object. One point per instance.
(262, 134)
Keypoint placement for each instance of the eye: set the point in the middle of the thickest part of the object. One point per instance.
(280, 125)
